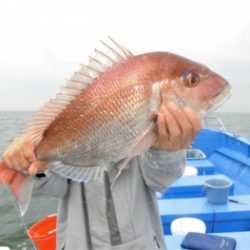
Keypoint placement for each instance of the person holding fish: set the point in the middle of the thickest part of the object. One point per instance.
(112, 137)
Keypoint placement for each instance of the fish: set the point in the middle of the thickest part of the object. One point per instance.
(104, 113)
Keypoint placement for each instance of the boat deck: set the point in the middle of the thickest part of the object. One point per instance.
(218, 218)
(242, 239)
(203, 166)
(192, 186)
(227, 157)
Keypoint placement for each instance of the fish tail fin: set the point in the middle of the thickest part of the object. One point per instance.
(21, 185)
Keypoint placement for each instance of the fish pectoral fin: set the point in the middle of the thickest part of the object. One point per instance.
(21, 186)
(144, 144)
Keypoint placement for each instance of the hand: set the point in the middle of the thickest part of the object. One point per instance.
(176, 128)
(20, 156)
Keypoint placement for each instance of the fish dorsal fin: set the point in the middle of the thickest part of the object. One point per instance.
(103, 59)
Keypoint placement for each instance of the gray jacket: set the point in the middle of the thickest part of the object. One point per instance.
(94, 216)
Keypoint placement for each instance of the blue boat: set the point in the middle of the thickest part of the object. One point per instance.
(216, 154)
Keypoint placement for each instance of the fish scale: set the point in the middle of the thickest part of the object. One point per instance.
(107, 136)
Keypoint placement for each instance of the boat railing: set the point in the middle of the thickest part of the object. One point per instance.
(216, 122)
(195, 154)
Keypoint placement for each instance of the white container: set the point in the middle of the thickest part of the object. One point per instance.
(190, 171)
(182, 226)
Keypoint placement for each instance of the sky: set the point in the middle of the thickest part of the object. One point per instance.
(43, 42)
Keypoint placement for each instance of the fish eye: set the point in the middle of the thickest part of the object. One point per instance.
(191, 79)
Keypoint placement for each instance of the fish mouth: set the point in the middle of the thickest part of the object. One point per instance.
(219, 98)
(218, 93)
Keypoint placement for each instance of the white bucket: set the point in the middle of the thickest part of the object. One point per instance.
(182, 226)
(190, 171)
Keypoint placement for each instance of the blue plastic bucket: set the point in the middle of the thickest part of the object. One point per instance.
(217, 190)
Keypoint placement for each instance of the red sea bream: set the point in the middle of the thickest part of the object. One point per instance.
(103, 113)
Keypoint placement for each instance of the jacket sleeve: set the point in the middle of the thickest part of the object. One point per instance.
(50, 183)
(161, 168)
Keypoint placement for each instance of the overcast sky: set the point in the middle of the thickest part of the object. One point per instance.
(42, 42)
